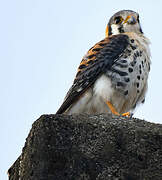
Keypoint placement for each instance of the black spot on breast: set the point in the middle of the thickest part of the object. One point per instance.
(140, 53)
(138, 77)
(132, 40)
(126, 79)
(137, 85)
(128, 51)
(126, 92)
(138, 91)
(137, 53)
(133, 63)
(148, 67)
(140, 71)
(140, 66)
(119, 83)
(134, 56)
(130, 69)
(133, 47)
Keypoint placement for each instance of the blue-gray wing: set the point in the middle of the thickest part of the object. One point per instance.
(97, 61)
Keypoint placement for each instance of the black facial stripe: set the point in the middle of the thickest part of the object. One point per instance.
(121, 30)
(110, 30)
(139, 24)
(141, 30)
(138, 18)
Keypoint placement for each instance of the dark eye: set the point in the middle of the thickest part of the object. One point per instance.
(118, 19)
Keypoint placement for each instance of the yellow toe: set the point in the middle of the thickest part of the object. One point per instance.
(127, 114)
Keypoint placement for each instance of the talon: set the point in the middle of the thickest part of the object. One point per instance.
(127, 114)
(113, 110)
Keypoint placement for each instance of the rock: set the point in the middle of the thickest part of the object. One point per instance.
(90, 147)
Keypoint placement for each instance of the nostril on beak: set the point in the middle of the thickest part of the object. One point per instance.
(130, 20)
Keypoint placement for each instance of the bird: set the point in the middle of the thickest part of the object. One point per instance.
(113, 75)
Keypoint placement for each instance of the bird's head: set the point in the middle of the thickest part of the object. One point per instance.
(123, 21)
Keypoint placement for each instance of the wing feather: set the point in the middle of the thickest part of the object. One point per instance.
(98, 60)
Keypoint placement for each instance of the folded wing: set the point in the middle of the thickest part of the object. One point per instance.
(97, 61)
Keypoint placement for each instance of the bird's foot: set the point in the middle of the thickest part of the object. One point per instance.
(127, 114)
(113, 110)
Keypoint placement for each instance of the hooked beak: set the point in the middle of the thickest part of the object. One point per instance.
(130, 20)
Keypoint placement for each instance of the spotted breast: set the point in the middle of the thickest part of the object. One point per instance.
(129, 74)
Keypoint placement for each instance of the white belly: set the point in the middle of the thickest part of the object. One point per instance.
(93, 101)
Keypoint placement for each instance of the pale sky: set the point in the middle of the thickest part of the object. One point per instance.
(42, 43)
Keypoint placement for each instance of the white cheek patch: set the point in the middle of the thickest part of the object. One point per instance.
(114, 29)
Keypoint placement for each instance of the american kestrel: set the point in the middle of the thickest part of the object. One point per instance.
(112, 76)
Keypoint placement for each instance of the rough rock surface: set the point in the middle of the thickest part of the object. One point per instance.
(86, 147)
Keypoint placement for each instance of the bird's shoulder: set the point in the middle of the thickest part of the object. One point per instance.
(107, 49)
(97, 60)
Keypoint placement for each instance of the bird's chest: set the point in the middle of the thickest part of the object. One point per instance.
(130, 72)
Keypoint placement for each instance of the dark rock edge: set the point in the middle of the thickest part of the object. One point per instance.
(89, 147)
